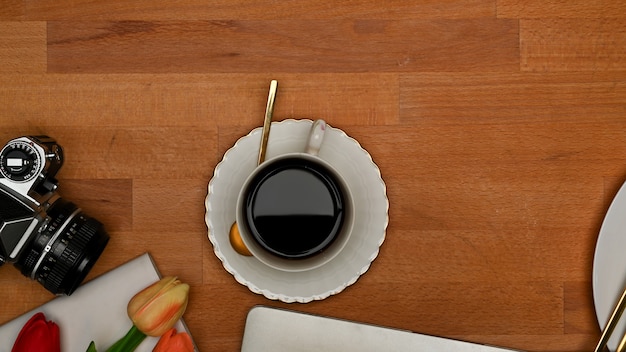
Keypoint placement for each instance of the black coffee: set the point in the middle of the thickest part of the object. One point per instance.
(294, 208)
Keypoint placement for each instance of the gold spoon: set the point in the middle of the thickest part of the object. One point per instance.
(611, 324)
(234, 236)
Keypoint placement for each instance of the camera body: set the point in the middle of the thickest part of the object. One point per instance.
(48, 238)
(27, 185)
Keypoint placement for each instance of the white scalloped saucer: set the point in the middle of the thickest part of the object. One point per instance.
(371, 213)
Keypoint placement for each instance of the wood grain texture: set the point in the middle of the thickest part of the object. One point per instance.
(283, 46)
(511, 98)
(23, 47)
(560, 9)
(11, 10)
(193, 100)
(241, 9)
(497, 126)
(556, 44)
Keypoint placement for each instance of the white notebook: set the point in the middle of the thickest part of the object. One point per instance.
(276, 330)
(96, 311)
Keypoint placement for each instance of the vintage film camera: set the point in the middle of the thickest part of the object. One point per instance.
(46, 237)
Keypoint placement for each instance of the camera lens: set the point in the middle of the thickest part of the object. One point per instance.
(62, 254)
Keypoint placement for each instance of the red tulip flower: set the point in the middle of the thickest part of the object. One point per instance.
(173, 342)
(38, 335)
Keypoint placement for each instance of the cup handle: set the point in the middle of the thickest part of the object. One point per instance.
(316, 137)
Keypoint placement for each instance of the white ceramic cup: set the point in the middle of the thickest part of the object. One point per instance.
(266, 254)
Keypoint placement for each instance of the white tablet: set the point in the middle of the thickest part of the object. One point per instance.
(277, 330)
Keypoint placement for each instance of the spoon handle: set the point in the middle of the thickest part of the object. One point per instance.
(611, 323)
(269, 111)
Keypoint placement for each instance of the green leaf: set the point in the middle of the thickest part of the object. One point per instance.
(92, 347)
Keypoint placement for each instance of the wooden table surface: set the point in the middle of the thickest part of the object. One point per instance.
(498, 127)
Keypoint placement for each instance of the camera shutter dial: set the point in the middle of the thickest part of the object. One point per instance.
(20, 161)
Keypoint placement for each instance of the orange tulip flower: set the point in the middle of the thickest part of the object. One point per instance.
(158, 307)
(173, 342)
(154, 311)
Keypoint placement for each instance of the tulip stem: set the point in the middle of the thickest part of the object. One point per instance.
(129, 342)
